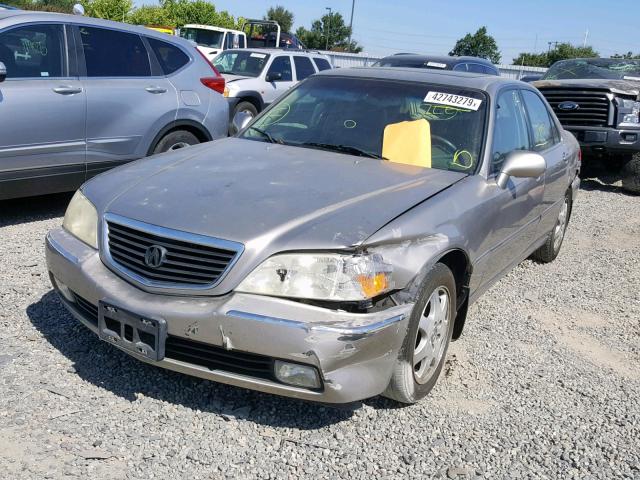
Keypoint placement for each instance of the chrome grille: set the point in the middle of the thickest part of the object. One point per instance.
(593, 111)
(191, 261)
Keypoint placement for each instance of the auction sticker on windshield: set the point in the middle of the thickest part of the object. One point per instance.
(452, 100)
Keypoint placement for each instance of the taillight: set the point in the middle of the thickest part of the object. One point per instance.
(216, 83)
(580, 156)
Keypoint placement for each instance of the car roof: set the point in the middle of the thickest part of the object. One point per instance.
(276, 51)
(477, 81)
(16, 17)
(450, 60)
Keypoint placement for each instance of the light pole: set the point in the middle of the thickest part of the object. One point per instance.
(353, 5)
(328, 29)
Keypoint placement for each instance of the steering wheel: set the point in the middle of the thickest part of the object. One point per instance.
(443, 142)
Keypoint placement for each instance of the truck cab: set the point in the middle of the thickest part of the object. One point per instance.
(213, 40)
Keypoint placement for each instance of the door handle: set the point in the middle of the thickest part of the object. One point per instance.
(156, 90)
(67, 90)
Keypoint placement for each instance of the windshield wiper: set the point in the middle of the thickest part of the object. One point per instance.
(343, 149)
(267, 135)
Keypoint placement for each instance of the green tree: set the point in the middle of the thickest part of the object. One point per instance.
(151, 15)
(330, 31)
(562, 51)
(281, 15)
(117, 10)
(183, 12)
(59, 6)
(480, 44)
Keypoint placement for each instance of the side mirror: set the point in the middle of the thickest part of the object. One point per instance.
(521, 164)
(273, 77)
(3, 72)
(240, 120)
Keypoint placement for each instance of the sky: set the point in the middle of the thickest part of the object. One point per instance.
(432, 27)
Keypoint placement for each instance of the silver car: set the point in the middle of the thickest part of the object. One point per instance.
(80, 95)
(331, 249)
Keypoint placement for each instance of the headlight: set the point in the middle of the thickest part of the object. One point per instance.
(81, 220)
(330, 276)
(630, 112)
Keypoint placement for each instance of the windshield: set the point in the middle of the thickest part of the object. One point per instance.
(204, 38)
(245, 63)
(611, 68)
(425, 125)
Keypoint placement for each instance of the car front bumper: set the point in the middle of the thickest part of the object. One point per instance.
(354, 353)
(606, 140)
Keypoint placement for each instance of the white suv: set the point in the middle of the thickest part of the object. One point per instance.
(255, 78)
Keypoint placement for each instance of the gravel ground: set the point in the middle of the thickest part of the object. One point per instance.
(544, 383)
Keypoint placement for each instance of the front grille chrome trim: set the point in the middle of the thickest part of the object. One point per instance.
(169, 284)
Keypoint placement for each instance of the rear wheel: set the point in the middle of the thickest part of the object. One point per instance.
(549, 251)
(175, 141)
(425, 346)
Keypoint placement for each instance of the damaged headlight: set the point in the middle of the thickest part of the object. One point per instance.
(630, 112)
(317, 276)
(81, 220)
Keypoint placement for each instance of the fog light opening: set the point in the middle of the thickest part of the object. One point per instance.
(297, 375)
(64, 290)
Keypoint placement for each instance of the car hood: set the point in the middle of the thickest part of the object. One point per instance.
(625, 87)
(267, 196)
(234, 78)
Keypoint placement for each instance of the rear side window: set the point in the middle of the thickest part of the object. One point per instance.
(304, 68)
(322, 64)
(542, 129)
(171, 58)
(34, 51)
(109, 53)
(491, 70)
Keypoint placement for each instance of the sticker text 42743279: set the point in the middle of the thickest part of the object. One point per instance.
(452, 100)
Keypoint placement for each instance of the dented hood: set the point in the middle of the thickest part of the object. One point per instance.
(623, 87)
(285, 197)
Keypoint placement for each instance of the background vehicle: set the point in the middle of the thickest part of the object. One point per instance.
(162, 29)
(598, 100)
(458, 64)
(530, 78)
(268, 34)
(83, 95)
(257, 77)
(212, 40)
(7, 7)
(318, 255)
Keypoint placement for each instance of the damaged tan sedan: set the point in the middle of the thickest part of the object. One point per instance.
(330, 250)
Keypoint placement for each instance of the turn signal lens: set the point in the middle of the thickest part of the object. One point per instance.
(374, 285)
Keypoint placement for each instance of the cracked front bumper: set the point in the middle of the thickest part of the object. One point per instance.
(354, 353)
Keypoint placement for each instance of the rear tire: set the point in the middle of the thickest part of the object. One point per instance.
(549, 251)
(175, 141)
(631, 174)
(424, 349)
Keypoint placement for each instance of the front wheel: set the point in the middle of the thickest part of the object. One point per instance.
(549, 251)
(631, 174)
(428, 336)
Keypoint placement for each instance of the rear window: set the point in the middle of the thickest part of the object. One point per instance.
(322, 64)
(170, 57)
(110, 53)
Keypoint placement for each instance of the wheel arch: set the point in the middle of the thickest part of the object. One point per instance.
(252, 97)
(197, 129)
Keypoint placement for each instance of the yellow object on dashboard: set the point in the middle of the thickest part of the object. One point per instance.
(408, 142)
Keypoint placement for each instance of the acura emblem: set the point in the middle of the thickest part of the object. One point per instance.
(155, 256)
(568, 106)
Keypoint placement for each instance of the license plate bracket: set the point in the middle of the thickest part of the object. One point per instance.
(140, 334)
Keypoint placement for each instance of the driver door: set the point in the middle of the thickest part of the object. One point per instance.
(279, 78)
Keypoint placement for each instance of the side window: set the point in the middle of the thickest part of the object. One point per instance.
(460, 67)
(475, 68)
(171, 58)
(282, 65)
(322, 64)
(304, 68)
(543, 136)
(34, 51)
(510, 131)
(110, 53)
(491, 70)
(241, 42)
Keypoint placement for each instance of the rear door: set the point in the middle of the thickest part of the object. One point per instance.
(303, 67)
(281, 65)
(42, 107)
(129, 99)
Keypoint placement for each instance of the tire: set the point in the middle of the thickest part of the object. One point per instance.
(176, 140)
(631, 175)
(549, 251)
(248, 107)
(413, 379)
